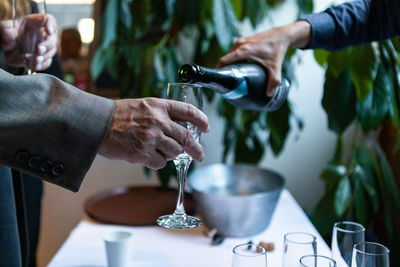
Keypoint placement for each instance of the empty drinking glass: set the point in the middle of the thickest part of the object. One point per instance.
(249, 255)
(296, 245)
(345, 235)
(369, 254)
(316, 261)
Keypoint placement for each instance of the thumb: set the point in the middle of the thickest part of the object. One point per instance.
(274, 80)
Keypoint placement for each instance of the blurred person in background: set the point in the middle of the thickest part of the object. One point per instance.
(30, 188)
(74, 63)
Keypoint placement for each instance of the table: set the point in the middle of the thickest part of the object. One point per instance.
(154, 246)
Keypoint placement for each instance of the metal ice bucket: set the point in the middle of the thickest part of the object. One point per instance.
(237, 200)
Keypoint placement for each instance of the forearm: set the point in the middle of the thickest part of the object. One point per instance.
(354, 23)
(49, 128)
(298, 34)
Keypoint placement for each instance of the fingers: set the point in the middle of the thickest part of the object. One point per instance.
(183, 112)
(169, 147)
(186, 140)
(155, 161)
(50, 24)
(44, 60)
(274, 80)
(230, 58)
(45, 52)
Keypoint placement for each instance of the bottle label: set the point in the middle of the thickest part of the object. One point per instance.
(238, 92)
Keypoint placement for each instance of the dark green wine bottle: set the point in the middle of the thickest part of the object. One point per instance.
(243, 84)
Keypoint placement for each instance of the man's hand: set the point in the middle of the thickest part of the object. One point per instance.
(44, 49)
(146, 131)
(269, 49)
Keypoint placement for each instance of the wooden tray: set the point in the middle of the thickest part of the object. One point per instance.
(136, 205)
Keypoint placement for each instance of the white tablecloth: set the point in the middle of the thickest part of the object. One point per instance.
(154, 246)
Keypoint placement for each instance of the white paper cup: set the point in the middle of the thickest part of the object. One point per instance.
(118, 248)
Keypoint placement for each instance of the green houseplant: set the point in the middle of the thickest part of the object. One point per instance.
(144, 42)
(362, 90)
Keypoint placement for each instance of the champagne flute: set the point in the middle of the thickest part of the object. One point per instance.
(370, 254)
(30, 33)
(192, 94)
(296, 245)
(249, 255)
(316, 261)
(345, 235)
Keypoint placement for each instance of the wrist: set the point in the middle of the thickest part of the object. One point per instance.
(298, 34)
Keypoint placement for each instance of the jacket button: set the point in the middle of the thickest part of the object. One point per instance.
(22, 157)
(57, 170)
(46, 166)
(34, 162)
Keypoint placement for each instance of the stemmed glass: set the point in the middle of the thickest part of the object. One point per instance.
(370, 254)
(296, 245)
(345, 235)
(316, 261)
(249, 255)
(192, 94)
(30, 33)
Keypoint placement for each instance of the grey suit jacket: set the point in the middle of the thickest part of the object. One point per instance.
(49, 128)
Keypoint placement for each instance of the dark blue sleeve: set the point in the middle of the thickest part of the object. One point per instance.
(354, 23)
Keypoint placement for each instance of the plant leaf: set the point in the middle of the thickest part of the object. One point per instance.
(305, 7)
(339, 61)
(374, 108)
(187, 12)
(342, 196)
(248, 149)
(324, 215)
(225, 23)
(360, 202)
(359, 175)
(339, 101)
(321, 56)
(110, 23)
(389, 182)
(278, 124)
(337, 157)
(238, 7)
(166, 173)
(363, 69)
(125, 14)
(333, 173)
(255, 11)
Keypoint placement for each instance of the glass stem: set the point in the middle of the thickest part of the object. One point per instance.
(13, 13)
(182, 166)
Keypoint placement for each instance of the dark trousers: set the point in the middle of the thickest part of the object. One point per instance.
(10, 240)
(10, 254)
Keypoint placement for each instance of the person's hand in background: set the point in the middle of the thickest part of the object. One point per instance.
(44, 50)
(269, 49)
(146, 131)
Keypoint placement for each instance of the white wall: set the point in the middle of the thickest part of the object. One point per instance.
(300, 163)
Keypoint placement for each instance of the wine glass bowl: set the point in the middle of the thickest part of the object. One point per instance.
(249, 255)
(30, 33)
(316, 261)
(370, 254)
(296, 245)
(192, 94)
(344, 236)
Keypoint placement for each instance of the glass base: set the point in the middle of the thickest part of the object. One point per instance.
(174, 221)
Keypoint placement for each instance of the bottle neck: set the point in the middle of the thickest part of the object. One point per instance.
(221, 80)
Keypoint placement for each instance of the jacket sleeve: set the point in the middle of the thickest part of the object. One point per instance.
(354, 23)
(49, 128)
